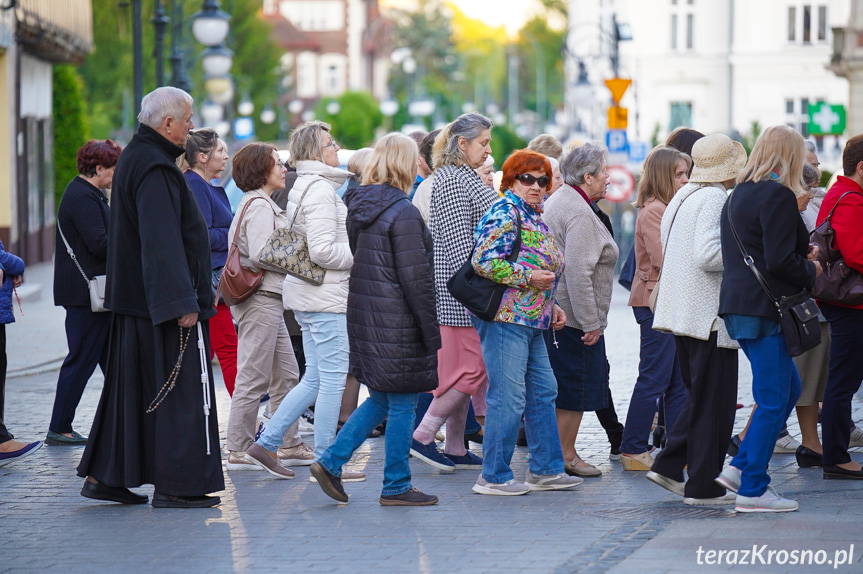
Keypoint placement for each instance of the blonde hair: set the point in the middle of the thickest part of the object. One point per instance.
(393, 161)
(657, 177)
(305, 142)
(779, 150)
(358, 162)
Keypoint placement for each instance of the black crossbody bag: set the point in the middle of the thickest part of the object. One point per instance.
(479, 295)
(798, 314)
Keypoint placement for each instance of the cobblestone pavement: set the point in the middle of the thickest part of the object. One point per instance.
(616, 523)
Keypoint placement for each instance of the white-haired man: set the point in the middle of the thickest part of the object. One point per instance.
(150, 427)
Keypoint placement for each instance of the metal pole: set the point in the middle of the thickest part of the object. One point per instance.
(540, 83)
(179, 79)
(513, 85)
(159, 23)
(137, 58)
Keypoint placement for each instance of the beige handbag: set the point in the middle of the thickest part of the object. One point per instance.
(288, 251)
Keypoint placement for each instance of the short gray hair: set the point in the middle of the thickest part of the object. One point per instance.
(580, 161)
(467, 126)
(811, 147)
(164, 102)
(811, 175)
(305, 143)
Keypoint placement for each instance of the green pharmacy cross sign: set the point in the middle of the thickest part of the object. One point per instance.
(826, 119)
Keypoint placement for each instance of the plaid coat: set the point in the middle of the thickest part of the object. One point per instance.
(459, 200)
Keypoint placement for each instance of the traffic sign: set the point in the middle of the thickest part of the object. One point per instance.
(617, 117)
(826, 119)
(622, 184)
(617, 87)
(615, 141)
(638, 151)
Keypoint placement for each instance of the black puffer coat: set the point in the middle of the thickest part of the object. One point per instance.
(392, 322)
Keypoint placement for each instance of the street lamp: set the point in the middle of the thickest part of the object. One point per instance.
(210, 25)
(268, 115)
(333, 108)
(211, 112)
(217, 60)
(246, 107)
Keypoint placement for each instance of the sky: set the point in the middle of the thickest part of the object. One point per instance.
(510, 13)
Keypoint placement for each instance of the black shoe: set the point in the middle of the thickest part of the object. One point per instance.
(57, 439)
(475, 437)
(733, 446)
(170, 501)
(522, 437)
(807, 458)
(833, 472)
(99, 491)
(413, 497)
(659, 437)
(330, 484)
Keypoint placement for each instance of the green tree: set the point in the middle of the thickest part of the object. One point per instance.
(538, 44)
(358, 117)
(503, 143)
(70, 126)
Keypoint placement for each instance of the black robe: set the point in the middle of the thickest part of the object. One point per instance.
(158, 270)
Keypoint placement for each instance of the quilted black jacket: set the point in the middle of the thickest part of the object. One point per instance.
(392, 322)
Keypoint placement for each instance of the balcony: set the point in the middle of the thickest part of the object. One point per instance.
(56, 31)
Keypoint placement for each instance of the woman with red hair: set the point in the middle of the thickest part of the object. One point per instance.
(519, 373)
(83, 221)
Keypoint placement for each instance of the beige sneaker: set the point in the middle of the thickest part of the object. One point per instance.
(347, 477)
(237, 461)
(299, 455)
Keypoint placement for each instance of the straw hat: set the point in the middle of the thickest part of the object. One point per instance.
(717, 158)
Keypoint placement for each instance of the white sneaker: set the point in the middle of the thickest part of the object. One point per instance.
(305, 426)
(666, 483)
(770, 501)
(729, 478)
(729, 498)
(856, 437)
(237, 461)
(298, 455)
(551, 481)
(785, 445)
(508, 488)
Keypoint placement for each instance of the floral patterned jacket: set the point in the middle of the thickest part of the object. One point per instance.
(495, 238)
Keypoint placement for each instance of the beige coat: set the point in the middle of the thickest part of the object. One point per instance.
(648, 252)
(584, 291)
(262, 217)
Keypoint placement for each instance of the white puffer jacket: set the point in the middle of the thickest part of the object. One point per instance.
(321, 218)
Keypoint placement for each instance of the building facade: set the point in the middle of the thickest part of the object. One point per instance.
(34, 35)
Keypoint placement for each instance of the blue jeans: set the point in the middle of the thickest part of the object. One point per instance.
(520, 380)
(398, 408)
(658, 376)
(325, 344)
(775, 387)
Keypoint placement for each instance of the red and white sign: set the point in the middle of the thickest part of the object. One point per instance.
(622, 184)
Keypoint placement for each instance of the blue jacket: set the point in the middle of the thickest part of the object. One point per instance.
(216, 210)
(12, 266)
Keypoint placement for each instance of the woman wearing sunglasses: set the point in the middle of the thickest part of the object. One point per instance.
(519, 374)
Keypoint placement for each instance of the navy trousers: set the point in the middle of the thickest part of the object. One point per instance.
(87, 336)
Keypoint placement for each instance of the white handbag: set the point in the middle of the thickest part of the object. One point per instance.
(96, 285)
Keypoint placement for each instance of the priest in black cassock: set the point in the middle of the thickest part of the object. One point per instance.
(159, 288)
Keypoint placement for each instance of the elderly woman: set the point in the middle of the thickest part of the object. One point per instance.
(265, 355)
(556, 179)
(687, 306)
(486, 172)
(205, 159)
(577, 354)
(83, 220)
(665, 171)
(763, 211)
(391, 320)
(520, 377)
(422, 196)
(319, 214)
(459, 199)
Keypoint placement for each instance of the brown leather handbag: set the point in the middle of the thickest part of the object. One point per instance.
(838, 283)
(238, 283)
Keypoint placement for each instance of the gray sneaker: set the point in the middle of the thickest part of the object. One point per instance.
(551, 481)
(508, 488)
(729, 478)
(856, 437)
(666, 483)
(728, 499)
(770, 501)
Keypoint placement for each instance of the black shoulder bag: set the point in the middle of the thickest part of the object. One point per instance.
(479, 295)
(798, 314)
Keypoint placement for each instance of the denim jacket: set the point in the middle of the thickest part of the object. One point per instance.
(495, 237)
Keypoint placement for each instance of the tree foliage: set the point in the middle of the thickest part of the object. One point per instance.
(503, 143)
(536, 37)
(70, 126)
(358, 118)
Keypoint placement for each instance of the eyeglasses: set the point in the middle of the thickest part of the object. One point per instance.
(332, 144)
(529, 180)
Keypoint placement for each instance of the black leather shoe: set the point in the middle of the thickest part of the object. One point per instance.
(733, 446)
(169, 501)
(99, 491)
(807, 458)
(57, 439)
(474, 437)
(833, 472)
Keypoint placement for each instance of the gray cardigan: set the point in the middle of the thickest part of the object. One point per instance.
(584, 292)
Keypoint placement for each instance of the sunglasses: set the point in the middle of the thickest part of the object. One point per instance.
(529, 180)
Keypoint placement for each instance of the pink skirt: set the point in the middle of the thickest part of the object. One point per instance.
(459, 360)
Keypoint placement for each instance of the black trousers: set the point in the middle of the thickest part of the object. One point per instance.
(87, 336)
(699, 438)
(5, 435)
(843, 380)
(608, 419)
(3, 365)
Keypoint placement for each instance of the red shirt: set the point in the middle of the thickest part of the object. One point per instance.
(847, 222)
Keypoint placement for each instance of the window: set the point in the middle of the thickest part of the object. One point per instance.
(789, 106)
(689, 33)
(682, 26)
(792, 23)
(807, 24)
(797, 114)
(681, 115)
(822, 23)
(674, 31)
